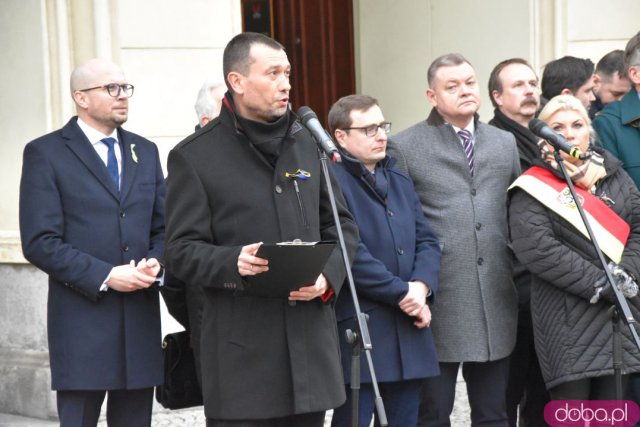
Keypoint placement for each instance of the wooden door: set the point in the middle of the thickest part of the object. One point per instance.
(318, 38)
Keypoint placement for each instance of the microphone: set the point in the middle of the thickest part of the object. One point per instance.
(310, 120)
(540, 128)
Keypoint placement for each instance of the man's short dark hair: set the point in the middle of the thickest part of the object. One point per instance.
(632, 51)
(567, 72)
(448, 60)
(495, 83)
(611, 63)
(340, 112)
(236, 56)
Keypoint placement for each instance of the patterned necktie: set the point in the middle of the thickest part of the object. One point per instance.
(112, 161)
(465, 135)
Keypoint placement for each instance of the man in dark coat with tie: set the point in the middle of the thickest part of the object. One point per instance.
(91, 217)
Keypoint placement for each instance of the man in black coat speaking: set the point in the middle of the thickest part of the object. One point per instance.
(252, 175)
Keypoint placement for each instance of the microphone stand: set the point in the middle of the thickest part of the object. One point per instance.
(621, 306)
(360, 339)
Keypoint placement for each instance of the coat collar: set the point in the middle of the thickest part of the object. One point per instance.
(228, 115)
(435, 119)
(77, 142)
(630, 109)
(357, 169)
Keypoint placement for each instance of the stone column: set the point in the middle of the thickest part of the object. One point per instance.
(25, 388)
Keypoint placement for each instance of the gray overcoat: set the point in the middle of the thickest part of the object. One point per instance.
(475, 312)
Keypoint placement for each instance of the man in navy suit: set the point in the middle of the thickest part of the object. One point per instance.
(91, 217)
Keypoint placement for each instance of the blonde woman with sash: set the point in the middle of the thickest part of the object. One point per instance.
(572, 328)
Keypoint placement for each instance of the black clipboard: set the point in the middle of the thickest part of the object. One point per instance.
(292, 265)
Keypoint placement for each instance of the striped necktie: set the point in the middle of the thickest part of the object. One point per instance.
(466, 137)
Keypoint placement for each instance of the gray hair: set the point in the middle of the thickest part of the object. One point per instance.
(448, 60)
(206, 104)
(632, 51)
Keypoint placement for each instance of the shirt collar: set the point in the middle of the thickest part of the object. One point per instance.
(94, 136)
(470, 127)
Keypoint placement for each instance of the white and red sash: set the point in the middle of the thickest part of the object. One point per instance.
(609, 229)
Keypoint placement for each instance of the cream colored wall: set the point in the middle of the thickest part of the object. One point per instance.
(169, 58)
(24, 96)
(594, 28)
(398, 39)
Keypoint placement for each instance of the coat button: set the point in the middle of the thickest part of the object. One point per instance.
(122, 214)
(292, 303)
(478, 226)
(480, 261)
(473, 191)
(400, 251)
(125, 248)
(278, 189)
(389, 212)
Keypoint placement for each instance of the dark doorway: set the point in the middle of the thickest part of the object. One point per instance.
(318, 38)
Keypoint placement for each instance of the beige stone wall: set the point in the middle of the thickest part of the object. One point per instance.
(169, 58)
(397, 40)
(594, 28)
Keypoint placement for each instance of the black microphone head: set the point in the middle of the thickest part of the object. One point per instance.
(305, 113)
(536, 125)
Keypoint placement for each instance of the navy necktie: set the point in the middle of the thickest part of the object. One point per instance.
(112, 161)
(465, 135)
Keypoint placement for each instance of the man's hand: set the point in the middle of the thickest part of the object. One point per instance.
(150, 267)
(415, 299)
(310, 292)
(128, 278)
(248, 263)
(423, 318)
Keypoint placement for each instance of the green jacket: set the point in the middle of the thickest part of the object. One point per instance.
(618, 127)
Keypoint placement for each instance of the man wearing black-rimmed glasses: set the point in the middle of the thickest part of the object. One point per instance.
(91, 217)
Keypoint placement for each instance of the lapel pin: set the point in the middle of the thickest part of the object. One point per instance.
(134, 156)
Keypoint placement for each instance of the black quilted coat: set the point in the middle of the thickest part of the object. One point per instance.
(573, 338)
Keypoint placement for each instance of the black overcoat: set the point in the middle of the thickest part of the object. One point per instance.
(260, 357)
(573, 337)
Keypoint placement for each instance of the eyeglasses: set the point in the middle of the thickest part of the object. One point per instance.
(114, 89)
(372, 130)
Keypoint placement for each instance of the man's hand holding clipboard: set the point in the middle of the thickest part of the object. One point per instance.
(288, 269)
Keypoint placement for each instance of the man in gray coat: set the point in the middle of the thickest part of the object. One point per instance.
(461, 169)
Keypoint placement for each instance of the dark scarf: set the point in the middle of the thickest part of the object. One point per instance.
(527, 142)
(267, 138)
(377, 181)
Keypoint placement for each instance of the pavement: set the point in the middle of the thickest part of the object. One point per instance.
(194, 417)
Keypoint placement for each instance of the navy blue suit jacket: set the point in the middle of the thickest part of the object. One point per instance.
(397, 245)
(75, 226)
